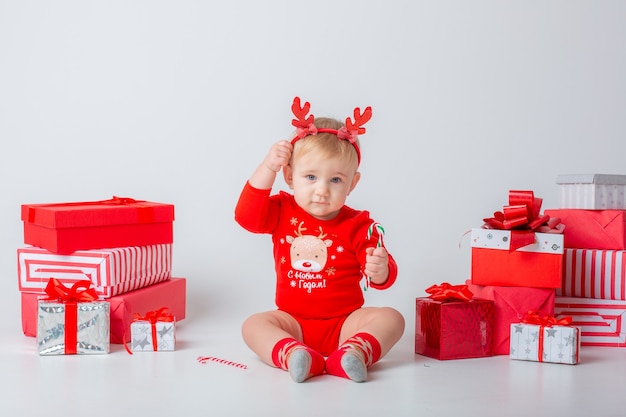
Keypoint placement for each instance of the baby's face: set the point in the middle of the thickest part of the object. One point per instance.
(321, 185)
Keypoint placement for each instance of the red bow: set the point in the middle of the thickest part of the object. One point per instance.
(155, 315)
(534, 317)
(447, 292)
(78, 293)
(543, 321)
(522, 216)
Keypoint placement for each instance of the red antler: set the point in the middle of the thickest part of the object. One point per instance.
(359, 120)
(300, 112)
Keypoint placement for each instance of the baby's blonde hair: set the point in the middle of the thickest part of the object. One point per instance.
(327, 144)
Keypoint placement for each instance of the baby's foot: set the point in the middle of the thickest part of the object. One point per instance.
(353, 366)
(299, 365)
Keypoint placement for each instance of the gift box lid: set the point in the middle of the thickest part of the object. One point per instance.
(600, 179)
(97, 213)
(501, 240)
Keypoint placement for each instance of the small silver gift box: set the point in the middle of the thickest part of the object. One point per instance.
(81, 328)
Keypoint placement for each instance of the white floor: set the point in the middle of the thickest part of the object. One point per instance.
(402, 384)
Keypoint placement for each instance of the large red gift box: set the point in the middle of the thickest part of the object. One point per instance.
(594, 273)
(510, 306)
(118, 222)
(537, 265)
(111, 271)
(170, 294)
(593, 229)
(453, 329)
(602, 322)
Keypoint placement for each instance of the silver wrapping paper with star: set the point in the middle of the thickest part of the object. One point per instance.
(149, 337)
(554, 344)
(90, 332)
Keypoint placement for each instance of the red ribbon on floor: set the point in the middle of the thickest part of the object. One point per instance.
(523, 218)
(447, 292)
(543, 321)
(80, 292)
(152, 317)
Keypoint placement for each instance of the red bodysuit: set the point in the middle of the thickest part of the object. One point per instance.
(319, 263)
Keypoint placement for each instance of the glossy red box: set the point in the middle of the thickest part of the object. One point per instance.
(170, 294)
(453, 329)
(593, 229)
(118, 222)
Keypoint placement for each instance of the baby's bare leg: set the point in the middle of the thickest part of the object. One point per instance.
(262, 331)
(384, 323)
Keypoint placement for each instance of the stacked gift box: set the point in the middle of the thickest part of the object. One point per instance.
(516, 264)
(593, 290)
(516, 261)
(111, 258)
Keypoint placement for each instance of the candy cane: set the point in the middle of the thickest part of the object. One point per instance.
(370, 231)
(205, 359)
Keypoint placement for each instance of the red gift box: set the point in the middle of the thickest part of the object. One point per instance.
(111, 271)
(593, 229)
(510, 306)
(118, 222)
(170, 294)
(453, 329)
(538, 265)
(594, 273)
(602, 322)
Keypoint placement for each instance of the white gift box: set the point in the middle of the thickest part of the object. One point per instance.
(554, 344)
(594, 273)
(151, 337)
(112, 271)
(592, 191)
(602, 322)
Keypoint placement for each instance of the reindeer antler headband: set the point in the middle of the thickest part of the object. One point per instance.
(305, 127)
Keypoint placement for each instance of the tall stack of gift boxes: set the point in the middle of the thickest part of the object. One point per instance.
(91, 270)
(593, 292)
(542, 284)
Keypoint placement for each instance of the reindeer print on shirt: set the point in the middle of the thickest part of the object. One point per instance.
(308, 257)
(308, 253)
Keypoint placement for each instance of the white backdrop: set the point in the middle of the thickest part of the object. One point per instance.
(178, 101)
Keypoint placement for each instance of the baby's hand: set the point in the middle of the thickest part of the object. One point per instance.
(377, 264)
(278, 155)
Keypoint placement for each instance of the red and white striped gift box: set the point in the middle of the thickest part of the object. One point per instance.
(594, 273)
(601, 321)
(112, 271)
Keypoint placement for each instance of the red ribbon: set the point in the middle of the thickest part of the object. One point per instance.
(535, 317)
(78, 293)
(543, 321)
(447, 292)
(522, 216)
(153, 317)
